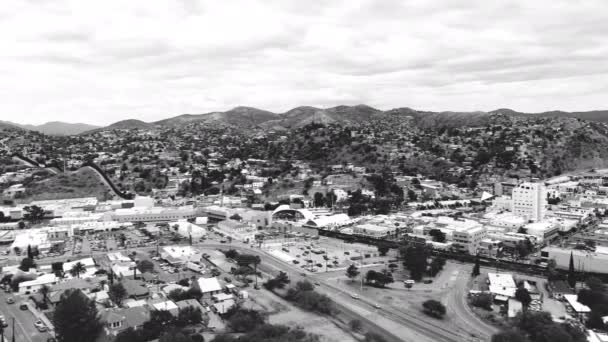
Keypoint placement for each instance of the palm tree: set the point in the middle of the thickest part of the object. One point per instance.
(77, 269)
(256, 261)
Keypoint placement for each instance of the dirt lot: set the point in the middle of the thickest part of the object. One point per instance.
(283, 312)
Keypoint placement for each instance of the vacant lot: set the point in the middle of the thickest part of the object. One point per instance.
(82, 183)
(283, 312)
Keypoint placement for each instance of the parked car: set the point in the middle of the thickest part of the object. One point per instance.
(23, 306)
(10, 300)
(40, 326)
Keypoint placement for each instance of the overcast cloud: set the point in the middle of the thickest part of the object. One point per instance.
(103, 61)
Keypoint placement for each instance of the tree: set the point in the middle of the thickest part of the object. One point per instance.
(117, 293)
(145, 266)
(553, 333)
(533, 322)
(231, 254)
(476, 268)
(371, 336)
(175, 335)
(379, 279)
(352, 272)
(482, 300)
(355, 325)
(436, 265)
(189, 315)
(277, 282)
(383, 249)
(129, 335)
(44, 291)
(244, 320)
(571, 272)
(76, 316)
(27, 264)
(595, 284)
(522, 295)
(438, 235)
(304, 296)
(77, 269)
(511, 335)
(434, 308)
(416, 259)
(33, 213)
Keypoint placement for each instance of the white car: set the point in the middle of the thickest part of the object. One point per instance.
(354, 295)
(40, 326)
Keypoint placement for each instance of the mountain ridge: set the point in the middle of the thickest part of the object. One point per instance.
(55, 127)
(247, 117)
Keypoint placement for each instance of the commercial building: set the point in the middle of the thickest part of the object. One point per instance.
(529, 201)
(237, 230)
(156, 214)
(502, 286)
(187, 229)
(468, 240)
(372, 230)
(595, 261)
(543, 231)
(179, 255)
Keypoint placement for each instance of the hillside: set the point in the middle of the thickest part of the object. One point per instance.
(60, 128)
(8, 125)
(124, 124)
(249, 117)
(81, 183)
(595, 115)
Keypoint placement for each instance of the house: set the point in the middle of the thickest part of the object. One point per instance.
(223, 307)
(89, 266)
(166, 306)
(182, 304)
(32, 286)
(209, 286)
(136, 289)
(560, 288)
(116, 320)
(579, 310)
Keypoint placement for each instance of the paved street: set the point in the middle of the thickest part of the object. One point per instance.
(24, 322)
(458, 308)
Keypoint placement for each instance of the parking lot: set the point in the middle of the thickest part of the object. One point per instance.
(325, 254)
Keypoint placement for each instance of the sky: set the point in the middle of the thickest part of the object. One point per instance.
(99, 62)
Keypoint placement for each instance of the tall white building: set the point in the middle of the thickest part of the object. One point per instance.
(529, 201)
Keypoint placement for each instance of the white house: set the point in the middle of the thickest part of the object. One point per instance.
(32, 286)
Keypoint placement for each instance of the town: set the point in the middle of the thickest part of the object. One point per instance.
(161, 232)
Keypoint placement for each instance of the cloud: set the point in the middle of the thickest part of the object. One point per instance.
(105, 61)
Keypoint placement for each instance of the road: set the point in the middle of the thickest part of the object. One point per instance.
(459, 310)
(395, 324)
(24, 322)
